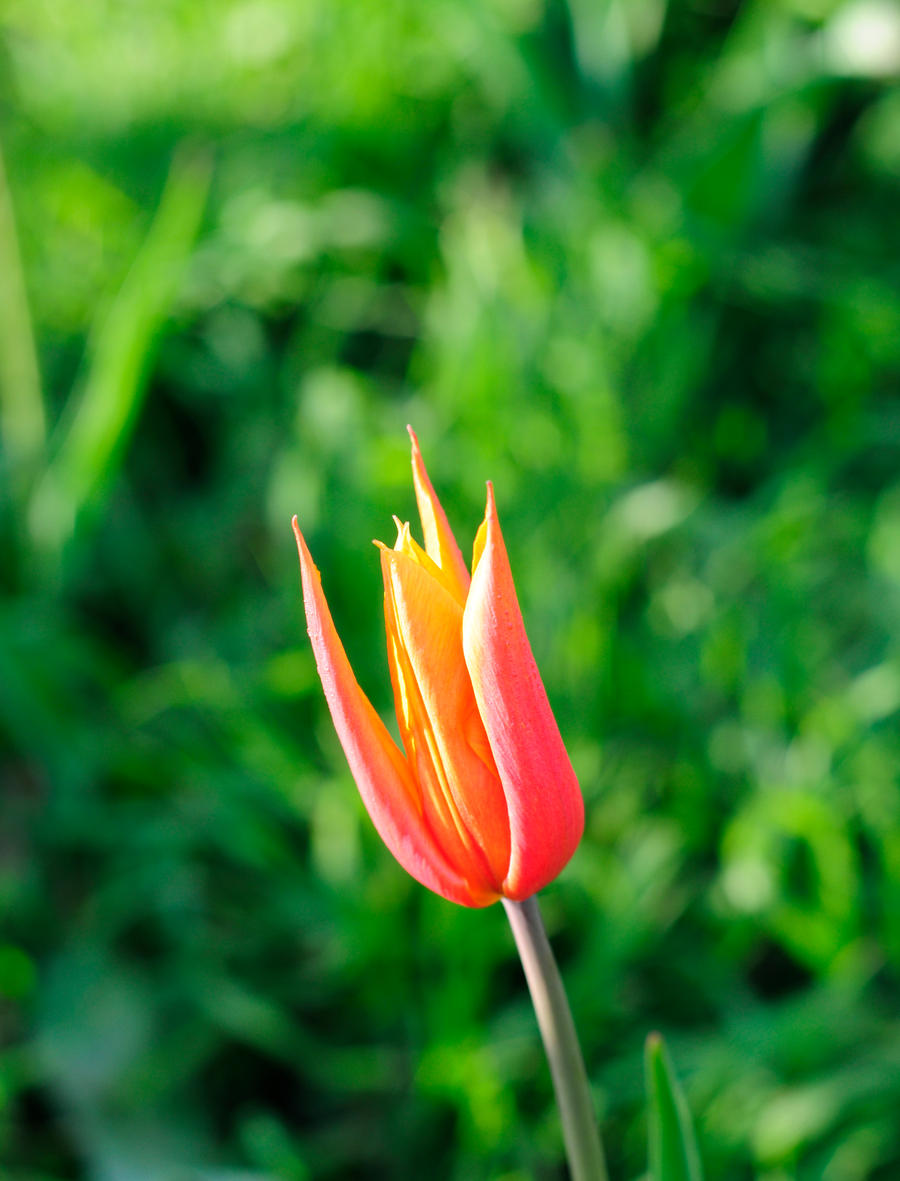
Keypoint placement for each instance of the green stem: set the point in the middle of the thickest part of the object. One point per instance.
(570, 1081)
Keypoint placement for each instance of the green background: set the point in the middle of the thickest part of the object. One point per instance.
(639, 264)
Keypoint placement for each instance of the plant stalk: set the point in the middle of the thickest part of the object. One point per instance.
(554, 1017)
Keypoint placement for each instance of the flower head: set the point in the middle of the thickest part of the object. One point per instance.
(481, 802)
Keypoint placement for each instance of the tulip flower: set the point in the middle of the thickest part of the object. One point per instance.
(481, 802)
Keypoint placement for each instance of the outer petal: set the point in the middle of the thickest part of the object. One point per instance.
(380, 770)
(440, 544)
(546, 810)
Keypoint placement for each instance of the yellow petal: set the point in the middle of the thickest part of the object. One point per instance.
(440, 544)
(446, 744)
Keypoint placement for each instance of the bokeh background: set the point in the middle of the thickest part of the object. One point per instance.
(639, 263)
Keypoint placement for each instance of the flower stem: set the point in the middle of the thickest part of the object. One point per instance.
(573, 1096)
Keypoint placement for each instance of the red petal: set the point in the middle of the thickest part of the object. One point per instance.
(380, 770)
(546, 810)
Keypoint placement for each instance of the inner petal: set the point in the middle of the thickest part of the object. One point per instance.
(407, 544)
(441, 727)
(439, 540)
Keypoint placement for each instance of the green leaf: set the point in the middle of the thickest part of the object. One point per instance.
(673, 1147)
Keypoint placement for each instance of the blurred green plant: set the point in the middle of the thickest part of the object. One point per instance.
(98, 418)
(22, 423)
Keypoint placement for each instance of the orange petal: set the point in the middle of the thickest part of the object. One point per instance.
(380, 770)
(440, 544)
(546, 810)
(441, 727)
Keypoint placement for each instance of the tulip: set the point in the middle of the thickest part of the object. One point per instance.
(481, 803)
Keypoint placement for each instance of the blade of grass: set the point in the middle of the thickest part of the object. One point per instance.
(22, 420)
(673, 1148)
(97, 424)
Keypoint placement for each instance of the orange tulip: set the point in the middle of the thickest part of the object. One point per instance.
(482, 802)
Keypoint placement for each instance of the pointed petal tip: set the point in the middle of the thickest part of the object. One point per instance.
(440, 544)
(302, 547)
(418, 463)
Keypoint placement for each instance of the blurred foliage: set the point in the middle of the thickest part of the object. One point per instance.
(638, 263)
